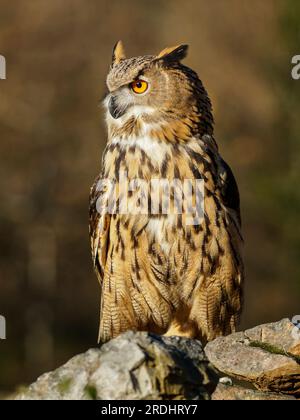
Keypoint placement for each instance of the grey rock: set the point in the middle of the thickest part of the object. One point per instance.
(132, 366)
(262, 363)
(283, 335)
(261, 356)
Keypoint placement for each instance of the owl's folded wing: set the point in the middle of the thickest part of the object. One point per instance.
(99, 224)
(229, 189)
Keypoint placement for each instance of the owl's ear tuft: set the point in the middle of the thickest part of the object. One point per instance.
(118, 53)
(173, 54)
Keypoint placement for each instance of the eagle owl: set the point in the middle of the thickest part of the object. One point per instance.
(158, 271)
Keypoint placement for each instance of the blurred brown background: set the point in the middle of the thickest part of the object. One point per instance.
(52, 136)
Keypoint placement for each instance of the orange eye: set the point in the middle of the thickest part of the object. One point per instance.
(139, 86)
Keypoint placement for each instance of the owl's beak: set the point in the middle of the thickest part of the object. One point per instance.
(115, 111)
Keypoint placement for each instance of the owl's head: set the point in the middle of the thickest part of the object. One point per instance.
(156, 89)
